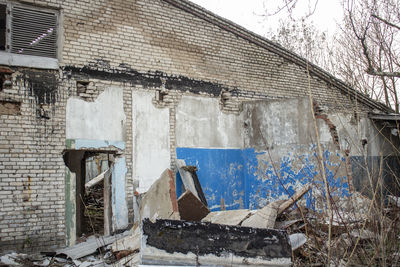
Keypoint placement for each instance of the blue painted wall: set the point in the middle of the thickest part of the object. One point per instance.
(242, 178)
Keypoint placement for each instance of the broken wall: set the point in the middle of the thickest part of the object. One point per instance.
(136, 45)
(273, 156)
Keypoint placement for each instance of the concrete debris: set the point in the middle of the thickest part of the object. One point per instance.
(36, 260)
(263, 218)
(191, 208)
(363, 234)
(167, 242)
(159, 202)
(128, 243)
(393, 200)
(297, 240)
(98, 179)
(186, 177)
(90, 246)
(190, 180)
(227, 217)
(286, 224)
(12, 258)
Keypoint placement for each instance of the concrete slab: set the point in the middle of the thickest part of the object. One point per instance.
(159, 202)
(263, 218)
(186, 177)
(228, 217)
(130, 242)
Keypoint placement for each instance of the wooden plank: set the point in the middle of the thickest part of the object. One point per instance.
(293, 199)
(107, 204)
(99, 178)
(191, 208)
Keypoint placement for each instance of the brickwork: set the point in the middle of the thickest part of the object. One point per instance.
(135, 44)
(32, 169)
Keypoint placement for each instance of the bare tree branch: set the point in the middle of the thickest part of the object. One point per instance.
(386, 21)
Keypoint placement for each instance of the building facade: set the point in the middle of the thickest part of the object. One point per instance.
(145, 82)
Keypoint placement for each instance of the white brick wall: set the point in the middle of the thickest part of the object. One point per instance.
(147, 36)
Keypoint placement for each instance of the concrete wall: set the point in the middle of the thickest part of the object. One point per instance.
(139, 45)
(200, 123)
(151, 149)
(275, 154)
(103, 119)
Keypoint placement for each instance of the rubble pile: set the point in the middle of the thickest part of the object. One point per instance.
(94, 208)
(182, 231)
(358, 233)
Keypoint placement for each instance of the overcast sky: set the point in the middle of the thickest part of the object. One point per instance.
(248, 13)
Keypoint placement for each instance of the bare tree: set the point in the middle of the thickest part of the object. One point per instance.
(365, 52)
(375, 26)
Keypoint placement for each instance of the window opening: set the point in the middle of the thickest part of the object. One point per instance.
(33, 32)
(28, 30)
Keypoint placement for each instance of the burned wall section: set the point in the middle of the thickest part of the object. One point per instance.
(32, 122)
(204, 239)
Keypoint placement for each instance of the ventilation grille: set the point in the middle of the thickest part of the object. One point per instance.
(33, 32)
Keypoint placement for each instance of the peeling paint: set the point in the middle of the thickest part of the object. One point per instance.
(245, 178)
(70, 209)
(119, 205)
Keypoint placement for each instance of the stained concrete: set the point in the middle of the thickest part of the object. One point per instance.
(103, 119)
(160, 200)
(269, 124)
(201, 124)
(151, 147)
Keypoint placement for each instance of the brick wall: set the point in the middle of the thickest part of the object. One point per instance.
(146, 44)
(31, 168)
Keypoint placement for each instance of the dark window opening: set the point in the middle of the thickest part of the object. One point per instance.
(3, 17)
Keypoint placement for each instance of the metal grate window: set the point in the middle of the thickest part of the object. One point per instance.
(33, 32)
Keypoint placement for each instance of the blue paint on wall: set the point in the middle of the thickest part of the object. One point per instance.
(242, 178)
(221, 173)
(119, 206)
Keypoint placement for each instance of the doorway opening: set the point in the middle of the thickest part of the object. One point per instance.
(91, 191)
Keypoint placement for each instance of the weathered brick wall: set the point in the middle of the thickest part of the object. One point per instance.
(31, 164)
(156, 36)
(132, 44)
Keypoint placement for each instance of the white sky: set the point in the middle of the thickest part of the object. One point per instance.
(248, 13)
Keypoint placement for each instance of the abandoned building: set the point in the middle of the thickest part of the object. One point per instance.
(126, 88)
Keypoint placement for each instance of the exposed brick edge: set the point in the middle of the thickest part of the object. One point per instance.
(172, 192)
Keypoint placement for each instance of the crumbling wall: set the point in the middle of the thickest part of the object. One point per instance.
(32, 123)
(147, 45)
(151, 153)
(275, 151)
